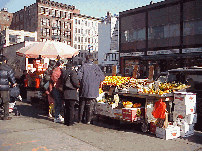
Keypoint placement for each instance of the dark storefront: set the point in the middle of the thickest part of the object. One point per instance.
(166, 35)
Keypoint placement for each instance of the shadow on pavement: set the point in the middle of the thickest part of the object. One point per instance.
(33, 110)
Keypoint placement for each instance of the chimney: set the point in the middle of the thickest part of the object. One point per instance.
(151, 2)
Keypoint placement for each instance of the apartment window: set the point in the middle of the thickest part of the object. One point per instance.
(47, 32)
(78, 39)
(48, 22)
(75, 38)
(75, 46)
(53, 12)
(95, 40)
(65, 34)
(92, 40)
(88, 32)
(65, 25)
(79, 30)
(86, 23)
(61, 13)
(75, 30)
(69, 16)
(59, 24)
(69, 25)
(47, 11)
(42, 10)
(92, 24)
(79, 22)
(57, 13)
(86, 39)
(75, 21)
(81, 39)
(79, 47)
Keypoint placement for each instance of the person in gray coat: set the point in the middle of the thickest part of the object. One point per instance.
(70, 86)
(90, 76)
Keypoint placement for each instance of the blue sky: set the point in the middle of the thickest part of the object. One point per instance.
(95, 8)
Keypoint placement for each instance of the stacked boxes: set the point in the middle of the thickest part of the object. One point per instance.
(170, 132)
(185, 112)
(131, 114)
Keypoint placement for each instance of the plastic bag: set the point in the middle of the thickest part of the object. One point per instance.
(159, 109)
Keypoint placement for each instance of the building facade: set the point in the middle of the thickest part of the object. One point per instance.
(16, 36)
(85, 37)
(166, 34)
(5, 19)
(108, 53)
(51, 20)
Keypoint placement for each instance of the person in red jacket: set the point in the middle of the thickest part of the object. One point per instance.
(54, 87)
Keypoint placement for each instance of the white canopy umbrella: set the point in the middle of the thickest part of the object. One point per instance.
(48, 49)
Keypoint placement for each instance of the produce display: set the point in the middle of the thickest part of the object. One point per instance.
(142, 85)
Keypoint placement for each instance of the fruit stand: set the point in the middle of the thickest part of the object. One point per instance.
(135, 100)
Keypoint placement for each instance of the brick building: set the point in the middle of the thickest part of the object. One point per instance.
(167, 34)
(5, 19)
(51, 20)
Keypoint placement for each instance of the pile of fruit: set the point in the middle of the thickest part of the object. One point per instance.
(100, 91)
(115, 80)
(136, 105)
(165, 88)
(127, 104)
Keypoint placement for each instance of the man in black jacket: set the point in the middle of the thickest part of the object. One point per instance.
(6, 77)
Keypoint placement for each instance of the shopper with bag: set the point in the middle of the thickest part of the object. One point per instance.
(70, 88)
(55, 84)
(90, 76)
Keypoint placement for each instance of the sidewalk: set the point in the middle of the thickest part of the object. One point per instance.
(34, 131)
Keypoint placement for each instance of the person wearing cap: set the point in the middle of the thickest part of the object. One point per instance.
(7, 76)
(90, 76)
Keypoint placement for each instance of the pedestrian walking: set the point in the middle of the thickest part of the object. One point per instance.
(6, 77)
(23, 90)
(55, 85)
(70, 87)
(46, 79)
(90, 76)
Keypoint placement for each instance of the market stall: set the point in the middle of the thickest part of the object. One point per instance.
(153, 104)
(37, 61)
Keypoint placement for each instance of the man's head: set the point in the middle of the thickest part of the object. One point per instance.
(89, 57)
(3, 58)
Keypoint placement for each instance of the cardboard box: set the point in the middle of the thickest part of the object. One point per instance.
(191, 118)
(186, 130)
(130, 114)
(171, 132)
(185, 109)
(184, 98)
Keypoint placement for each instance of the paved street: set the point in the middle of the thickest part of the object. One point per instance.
(34, 131)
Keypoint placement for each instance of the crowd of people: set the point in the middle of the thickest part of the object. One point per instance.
(63, 86)
(68, 86)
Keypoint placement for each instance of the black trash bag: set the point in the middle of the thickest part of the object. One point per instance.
(14, 92)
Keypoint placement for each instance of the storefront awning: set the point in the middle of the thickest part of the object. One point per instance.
(173, 56)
